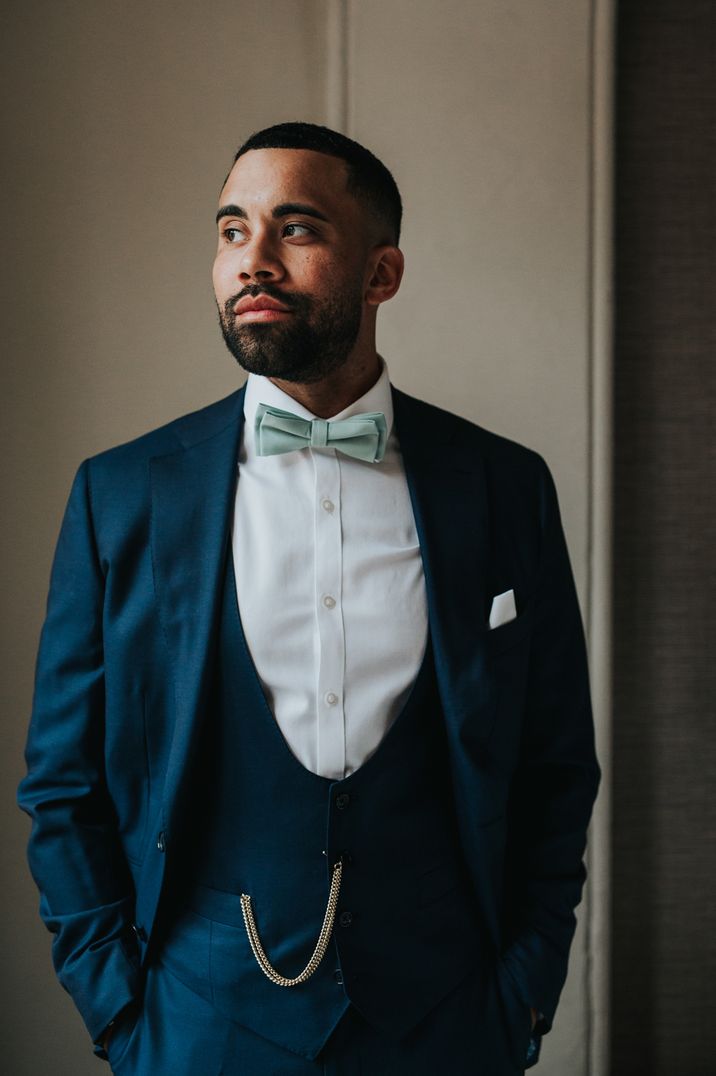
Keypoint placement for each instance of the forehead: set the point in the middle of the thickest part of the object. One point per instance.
(263, 178)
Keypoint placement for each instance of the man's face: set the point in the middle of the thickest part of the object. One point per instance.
(289, 273)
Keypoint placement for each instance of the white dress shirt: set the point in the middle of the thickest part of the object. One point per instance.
(330, 585)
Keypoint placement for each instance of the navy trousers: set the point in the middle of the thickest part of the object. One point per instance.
(178, 1033)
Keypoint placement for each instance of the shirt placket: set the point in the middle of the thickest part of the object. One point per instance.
(328, 576)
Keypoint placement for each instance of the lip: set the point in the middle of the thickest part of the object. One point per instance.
(270, 314)
(260, 308)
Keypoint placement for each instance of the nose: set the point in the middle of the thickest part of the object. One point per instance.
(260, 260)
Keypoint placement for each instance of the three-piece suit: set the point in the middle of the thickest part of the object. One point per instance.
(161, 789)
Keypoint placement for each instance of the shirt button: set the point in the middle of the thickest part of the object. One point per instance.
(331, 698)
(329, 602)
(327, 505)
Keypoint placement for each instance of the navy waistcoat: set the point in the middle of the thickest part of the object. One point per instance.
(406, 930)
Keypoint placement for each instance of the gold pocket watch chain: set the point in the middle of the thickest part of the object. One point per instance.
(321, 945)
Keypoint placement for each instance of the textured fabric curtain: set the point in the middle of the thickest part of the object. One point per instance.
(664, 839)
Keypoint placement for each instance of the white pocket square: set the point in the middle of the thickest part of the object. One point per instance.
(503, 609)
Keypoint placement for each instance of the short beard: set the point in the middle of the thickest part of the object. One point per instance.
(299, 349)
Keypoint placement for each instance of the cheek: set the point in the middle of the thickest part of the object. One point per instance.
(222, 277)
(308, 268)
(327, 278)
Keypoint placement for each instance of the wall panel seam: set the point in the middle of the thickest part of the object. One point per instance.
(599, 552)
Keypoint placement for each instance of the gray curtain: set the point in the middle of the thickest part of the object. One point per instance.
(664, 839)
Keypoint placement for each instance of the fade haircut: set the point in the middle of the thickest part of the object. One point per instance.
(369, 181)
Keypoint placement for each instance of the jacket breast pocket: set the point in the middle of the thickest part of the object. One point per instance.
(510, 634)
(507, 653)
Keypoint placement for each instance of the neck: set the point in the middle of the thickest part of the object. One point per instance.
(337, 391)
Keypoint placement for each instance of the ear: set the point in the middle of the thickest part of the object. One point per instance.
(384, 271)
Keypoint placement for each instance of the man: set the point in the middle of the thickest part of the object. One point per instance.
(311, 759)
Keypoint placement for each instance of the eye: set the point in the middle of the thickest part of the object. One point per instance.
(230, 235)
(297, 231)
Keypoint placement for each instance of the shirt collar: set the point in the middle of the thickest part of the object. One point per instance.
(260, 390)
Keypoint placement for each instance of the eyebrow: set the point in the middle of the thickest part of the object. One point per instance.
(285, 209)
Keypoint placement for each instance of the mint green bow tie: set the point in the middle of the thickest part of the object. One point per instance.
(361, 436)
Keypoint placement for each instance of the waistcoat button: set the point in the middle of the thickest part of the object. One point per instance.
(338, 976)
(161, 843)
(345, 919)
(342, 801)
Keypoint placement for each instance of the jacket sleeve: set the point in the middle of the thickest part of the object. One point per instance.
(86, 891)
(555, 783)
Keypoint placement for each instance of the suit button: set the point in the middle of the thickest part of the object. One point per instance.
(161, 843)
(345, 919)
(342, 801)
(338, 976)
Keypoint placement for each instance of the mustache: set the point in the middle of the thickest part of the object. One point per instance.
(293, 302)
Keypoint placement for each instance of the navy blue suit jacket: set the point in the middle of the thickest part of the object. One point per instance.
(124, 661)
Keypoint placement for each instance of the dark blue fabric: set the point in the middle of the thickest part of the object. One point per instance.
(407, 927)
(125, 669)
(178, 1033)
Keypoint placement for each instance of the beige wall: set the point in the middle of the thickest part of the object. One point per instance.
(121, 123)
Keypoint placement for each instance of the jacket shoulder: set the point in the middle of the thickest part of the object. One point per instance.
(496, 449)
(181, 432)
(118, 479)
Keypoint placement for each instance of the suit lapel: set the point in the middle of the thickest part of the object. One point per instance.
(449, 497)
(192, 499)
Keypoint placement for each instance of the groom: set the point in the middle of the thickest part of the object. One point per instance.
(311, 759)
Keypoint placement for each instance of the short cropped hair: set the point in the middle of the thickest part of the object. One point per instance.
(368, 179)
